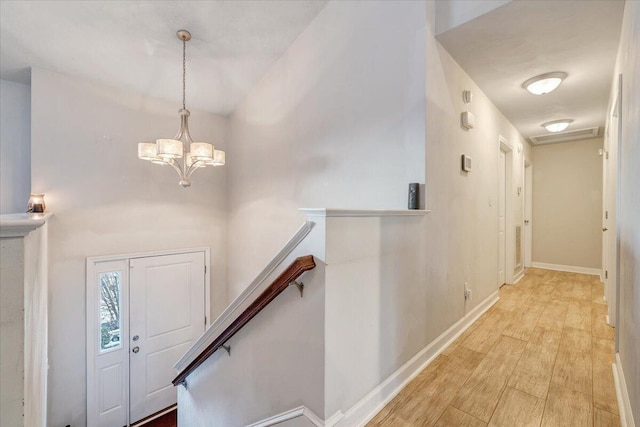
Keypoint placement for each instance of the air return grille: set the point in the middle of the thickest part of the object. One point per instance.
(565, 136)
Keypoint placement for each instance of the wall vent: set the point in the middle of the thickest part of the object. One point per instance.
(565, 136)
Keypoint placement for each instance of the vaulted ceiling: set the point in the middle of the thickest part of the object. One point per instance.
(132, 44)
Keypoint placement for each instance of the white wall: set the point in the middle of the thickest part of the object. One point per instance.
(12, 331)
(15, 140)
(628, 328)
(338, 121)
(36, 328)
(379, 307)
(462, 228)
(107, 201)
(316, 132)
(453, 13)
(277, 360)
(567, 204)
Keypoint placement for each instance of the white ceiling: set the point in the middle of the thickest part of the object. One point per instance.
(132, 44)
(525, 38)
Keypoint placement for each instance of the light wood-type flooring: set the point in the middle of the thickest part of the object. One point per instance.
(541, 356)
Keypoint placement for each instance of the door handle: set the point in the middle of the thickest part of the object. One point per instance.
(136, 349)
(526, 221)
(605, 229)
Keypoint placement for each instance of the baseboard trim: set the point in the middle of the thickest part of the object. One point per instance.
(300, 411)
(518, 278)
(567, 268)
(624, 402)
(363, 411)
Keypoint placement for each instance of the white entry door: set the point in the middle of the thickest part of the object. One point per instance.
(143, 313)
(167, 314)
(502, 218)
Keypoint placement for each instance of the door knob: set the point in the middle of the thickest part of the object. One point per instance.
(605, 229)
(136, 349)
(526, 221)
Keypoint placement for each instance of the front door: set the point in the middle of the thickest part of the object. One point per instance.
(167, 308)
(143, 313)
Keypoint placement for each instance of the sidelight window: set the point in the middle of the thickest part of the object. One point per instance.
(110, 302)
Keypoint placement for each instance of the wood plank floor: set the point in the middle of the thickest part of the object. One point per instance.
(170, 419)
(541, 356)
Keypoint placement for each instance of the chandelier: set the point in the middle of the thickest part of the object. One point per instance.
(182, 153)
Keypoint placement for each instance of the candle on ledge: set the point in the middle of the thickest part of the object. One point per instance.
(36, 203)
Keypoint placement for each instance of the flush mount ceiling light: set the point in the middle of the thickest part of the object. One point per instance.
(557, 125)
(544, 83)
(166, 151)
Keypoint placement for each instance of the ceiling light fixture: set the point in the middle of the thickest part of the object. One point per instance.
(544, 83)
(194, 155)
(557, 125)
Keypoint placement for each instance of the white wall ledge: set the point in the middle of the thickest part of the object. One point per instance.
(325, 212)
(21, 224)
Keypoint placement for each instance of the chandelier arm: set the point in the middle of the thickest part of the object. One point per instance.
(180, 133)
(193, 168)
(176, 166)
(187, 136)
(185, 129)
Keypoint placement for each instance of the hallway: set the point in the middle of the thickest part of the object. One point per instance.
(541, 356)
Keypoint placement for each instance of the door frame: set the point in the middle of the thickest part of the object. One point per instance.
(92, 268)
(510, 253)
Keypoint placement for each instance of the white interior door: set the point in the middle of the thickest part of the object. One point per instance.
(167, 314)
(502, 237)
(528, 214)
(610, 237)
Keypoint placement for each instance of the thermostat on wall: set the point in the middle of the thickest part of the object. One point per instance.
(468, 120)
(466, 163)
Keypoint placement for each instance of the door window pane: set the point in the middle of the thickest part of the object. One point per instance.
(110, 310)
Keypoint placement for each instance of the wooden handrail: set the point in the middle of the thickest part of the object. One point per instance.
(291, 273)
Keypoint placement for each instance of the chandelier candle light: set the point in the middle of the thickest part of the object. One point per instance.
(194, 154)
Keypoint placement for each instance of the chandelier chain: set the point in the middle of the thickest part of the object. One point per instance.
(184, 72)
